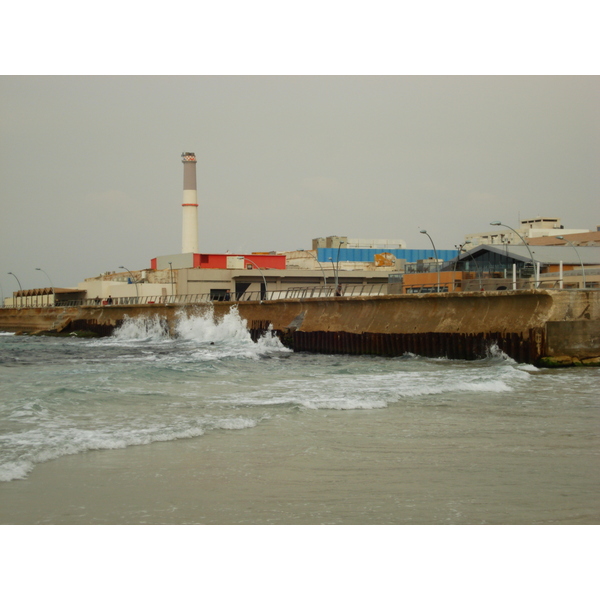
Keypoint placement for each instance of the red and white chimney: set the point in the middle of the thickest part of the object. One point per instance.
(190, 204)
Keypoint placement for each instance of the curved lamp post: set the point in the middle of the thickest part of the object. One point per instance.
(171, 267)
(51, 284)
(499, 224)
(337, 267)
(437, 263)
(320, 265)
(10, 273)
(265, 281)
(134, 280)
(560, 237)
(335, 275)
(476, 265)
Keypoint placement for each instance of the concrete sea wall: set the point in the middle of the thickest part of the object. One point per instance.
(529, 326)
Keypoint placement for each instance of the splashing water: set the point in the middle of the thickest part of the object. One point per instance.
(145, 329)
(227, 335)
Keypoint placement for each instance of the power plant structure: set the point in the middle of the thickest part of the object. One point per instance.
(386, 266)
(189, 238)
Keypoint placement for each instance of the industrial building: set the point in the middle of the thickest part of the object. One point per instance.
(495, 267)
(529, 229)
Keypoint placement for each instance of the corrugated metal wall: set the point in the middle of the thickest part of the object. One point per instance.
(368, 254)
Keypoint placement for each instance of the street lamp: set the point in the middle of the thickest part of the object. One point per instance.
(51, 284)
(424, 231)
(171, 267)
(476, 266)
(560, 237)
(265, 281)
(336, 267)
(10, 273)
(335, 275)
(499, 224)
(320, 265)
(134, 280)
(18, 283)
(337, 270)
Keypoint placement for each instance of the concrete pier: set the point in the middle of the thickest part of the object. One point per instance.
(530, 326)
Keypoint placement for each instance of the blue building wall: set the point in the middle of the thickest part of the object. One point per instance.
(368, 254)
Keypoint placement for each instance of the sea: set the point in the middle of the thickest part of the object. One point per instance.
(201, 425)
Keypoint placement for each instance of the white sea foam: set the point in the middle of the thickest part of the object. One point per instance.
(47, 444)
(204, 327)
(215, 338)
(529, 368)
(376, 391)
(342, 403)
(142, 329)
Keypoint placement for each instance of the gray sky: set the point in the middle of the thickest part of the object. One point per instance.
(91, 175)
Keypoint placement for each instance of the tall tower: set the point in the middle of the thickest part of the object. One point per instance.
(190, 204)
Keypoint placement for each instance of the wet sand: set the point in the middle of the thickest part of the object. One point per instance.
(342, 468)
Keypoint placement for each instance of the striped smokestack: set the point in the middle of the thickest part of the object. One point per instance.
(190, 204)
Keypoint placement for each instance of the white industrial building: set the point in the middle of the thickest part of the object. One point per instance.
(528, 229)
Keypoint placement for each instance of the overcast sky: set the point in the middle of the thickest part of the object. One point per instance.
(91, 173)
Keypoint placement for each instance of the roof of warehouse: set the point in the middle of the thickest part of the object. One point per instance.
(47, 291)
(590, 255)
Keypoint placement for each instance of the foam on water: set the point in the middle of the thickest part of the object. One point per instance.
(353, 391)
(210, 338)
(203, 327)
(123, 390)
(147, 384)
(49, 443)
(142, 329)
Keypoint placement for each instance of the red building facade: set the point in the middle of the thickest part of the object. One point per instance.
(220, 261)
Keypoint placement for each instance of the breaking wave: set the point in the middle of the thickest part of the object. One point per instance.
(48, 444)
(226, 336)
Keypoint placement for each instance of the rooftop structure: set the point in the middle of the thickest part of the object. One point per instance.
(334, 241)
(528, 229)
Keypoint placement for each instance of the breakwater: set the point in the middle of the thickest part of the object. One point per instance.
(530, 326)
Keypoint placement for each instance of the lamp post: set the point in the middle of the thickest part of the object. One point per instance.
(499, 224)
(171, 268)
(134, 281)
(320, 265)
(335, 275)
(337, 267)
(478, 270)
(265, 281)
(476, 265)
(424, 231)
(51, 284)
(10, 273)
(560, 237)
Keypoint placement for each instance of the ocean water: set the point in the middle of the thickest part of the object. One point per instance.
(339, 439)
